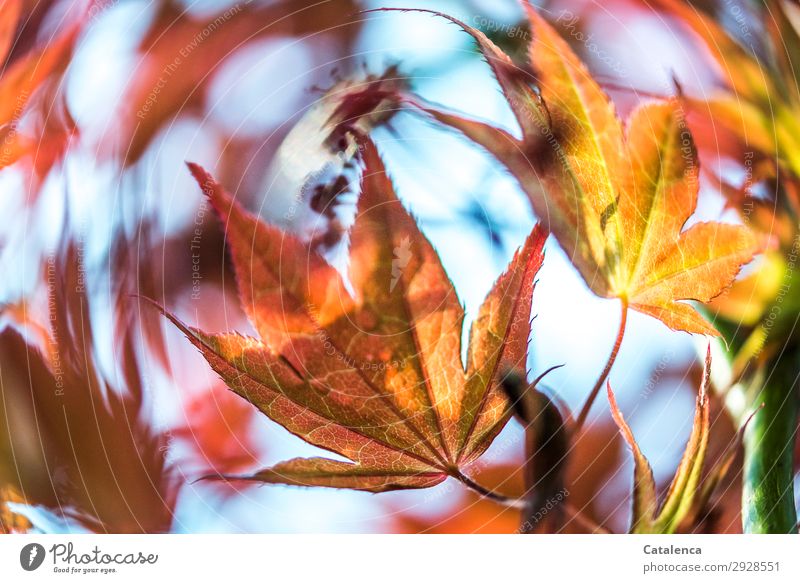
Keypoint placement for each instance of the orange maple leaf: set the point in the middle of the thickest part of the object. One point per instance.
(20, 79)
(70, 439)
(616, 199)
(375, 376)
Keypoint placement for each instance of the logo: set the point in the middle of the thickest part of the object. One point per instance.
(402, 255)
(31, 556)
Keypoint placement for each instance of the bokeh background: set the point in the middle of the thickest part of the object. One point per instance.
(103, 194)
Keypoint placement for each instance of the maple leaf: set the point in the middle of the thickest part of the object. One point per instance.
(21, 78)
(755, 111)
(616, 199)
(70, 440)
(182, 52)
(8, 25)
(375, 376)
(647, 516)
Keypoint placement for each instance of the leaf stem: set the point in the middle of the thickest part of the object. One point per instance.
(508, 501)
(587, 406)
(519, 504)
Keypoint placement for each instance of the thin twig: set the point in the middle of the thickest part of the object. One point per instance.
(587, 406)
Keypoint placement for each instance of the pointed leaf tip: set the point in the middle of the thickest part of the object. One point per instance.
(328, 473)
(498, 343)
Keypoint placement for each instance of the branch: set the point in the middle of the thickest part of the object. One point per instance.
(768, 493)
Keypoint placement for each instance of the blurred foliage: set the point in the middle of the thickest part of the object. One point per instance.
(106, 420)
